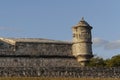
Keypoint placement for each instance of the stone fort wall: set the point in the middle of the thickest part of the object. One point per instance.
(46, 60)
(44, 49)
(37, 49)
(37, 62)
(77, 72)
(30, 54)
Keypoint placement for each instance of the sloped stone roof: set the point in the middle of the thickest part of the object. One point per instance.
(83, 23)
(32, 40)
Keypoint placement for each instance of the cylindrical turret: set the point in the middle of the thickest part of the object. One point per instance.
(82, 42)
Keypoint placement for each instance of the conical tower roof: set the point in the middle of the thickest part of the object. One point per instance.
(83, 22)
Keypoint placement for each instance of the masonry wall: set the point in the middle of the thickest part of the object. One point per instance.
(77, 72)
(37, 62)
(43, 49)
(6, 49)
(46, 60)
(30, 54)
(38, 49)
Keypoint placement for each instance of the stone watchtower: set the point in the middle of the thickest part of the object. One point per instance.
(82, 44)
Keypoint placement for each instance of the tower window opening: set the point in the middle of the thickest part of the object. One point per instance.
(74, 35)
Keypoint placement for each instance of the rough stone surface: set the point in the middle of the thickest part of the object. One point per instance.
(43, 49)
(36, 48)
(82, 42)
(60, 72)
(39, 59)
(37, 62)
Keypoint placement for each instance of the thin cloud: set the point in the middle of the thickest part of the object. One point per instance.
(97, 42)
(113, 45)
(107, 45)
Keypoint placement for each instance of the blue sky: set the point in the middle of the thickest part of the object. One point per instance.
(53, 19)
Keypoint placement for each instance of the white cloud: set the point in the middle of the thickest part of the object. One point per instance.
(113, 45)
(97, 42)
(107, 45)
